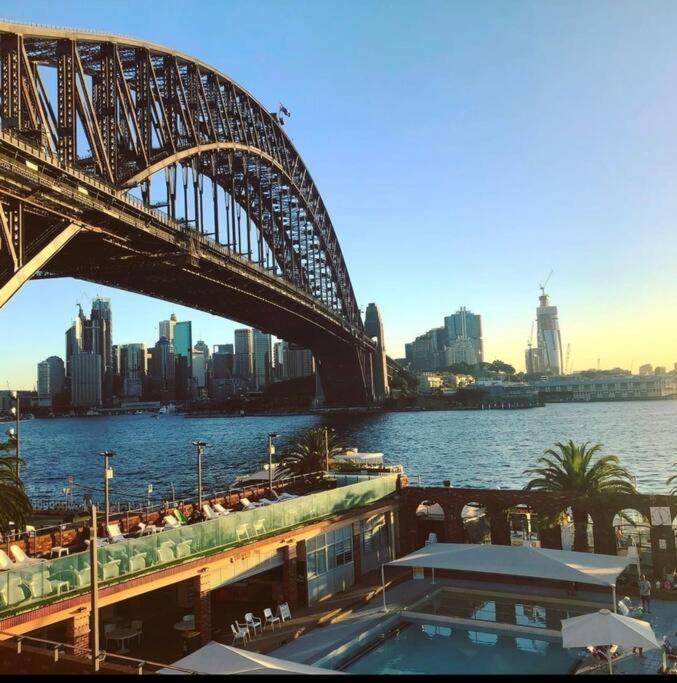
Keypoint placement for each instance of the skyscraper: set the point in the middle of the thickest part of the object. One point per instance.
(86, 380)
(51, 376)
(167, 327)
(549, 339)
(101, 326)
(263, 358)
(74, 339)
(183, 350)
(466, 325)
(133, 369)
(244, 353)
(298, 362)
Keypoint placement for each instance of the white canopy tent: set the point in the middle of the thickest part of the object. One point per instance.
(215, 658)
(527, 561)
(605, 628)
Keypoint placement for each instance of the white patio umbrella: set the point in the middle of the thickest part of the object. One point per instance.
(607, 628)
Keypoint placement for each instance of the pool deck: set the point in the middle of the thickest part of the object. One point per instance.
(348, 625)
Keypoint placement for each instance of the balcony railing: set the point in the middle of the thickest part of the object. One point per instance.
(40, 582)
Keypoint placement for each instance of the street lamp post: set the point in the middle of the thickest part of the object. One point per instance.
(107, 474)
(271, 452)
(199, 446)
(94, 594)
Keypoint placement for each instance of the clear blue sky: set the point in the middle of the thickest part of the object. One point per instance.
(464, 149)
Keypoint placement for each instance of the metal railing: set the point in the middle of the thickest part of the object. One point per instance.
(38, 582)
(83, 654)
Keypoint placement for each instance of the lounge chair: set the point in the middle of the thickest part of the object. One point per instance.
(248, 505)
(19, 555)
(239, 633)
(221, 510)
(180, 516)
(252, 622)
(209, 513)
(270, 618)
(284, 496)
(114, 533)
(5, 561)
(171, 522)
(265, 501)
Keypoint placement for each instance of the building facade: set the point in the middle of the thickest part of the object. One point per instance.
(51, 378)
(263, 359)
(133, 369)
(86, 384)
(549, 338)
(244, 353)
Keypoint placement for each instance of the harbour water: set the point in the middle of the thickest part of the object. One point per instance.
(488, 448)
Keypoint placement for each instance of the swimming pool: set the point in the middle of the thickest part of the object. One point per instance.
(419, 648)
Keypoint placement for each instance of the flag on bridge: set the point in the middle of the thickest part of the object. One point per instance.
(284, 110)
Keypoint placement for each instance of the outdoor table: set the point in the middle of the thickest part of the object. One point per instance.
(58, 551)
(122, 635)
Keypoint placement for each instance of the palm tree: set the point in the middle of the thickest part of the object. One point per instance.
(15, 506)
(308, 454)
(571, 471)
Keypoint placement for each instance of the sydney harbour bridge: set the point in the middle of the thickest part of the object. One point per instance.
(135, 166)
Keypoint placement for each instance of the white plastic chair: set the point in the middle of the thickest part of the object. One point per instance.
(107, 628)
(252, 622)
(171, 522)
(239, 633)
(259, 527)
(283, 611)
(137, 563)
(270, 618)
(242, 531)
(432, 538)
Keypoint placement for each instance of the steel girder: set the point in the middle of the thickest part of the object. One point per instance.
(124, 110)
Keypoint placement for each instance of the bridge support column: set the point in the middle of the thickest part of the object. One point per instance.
(202, 604)
(77, 632)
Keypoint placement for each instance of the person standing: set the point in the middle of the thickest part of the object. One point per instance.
(645, 593)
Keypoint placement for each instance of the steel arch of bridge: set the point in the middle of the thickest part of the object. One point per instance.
(135, 108)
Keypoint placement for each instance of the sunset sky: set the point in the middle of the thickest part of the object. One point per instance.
(463, 149)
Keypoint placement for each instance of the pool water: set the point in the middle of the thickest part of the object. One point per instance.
(433, 649)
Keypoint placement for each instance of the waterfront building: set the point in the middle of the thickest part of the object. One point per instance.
(608, 388)
(646, 369)
(263, 359)
(548, 335)
(51, 378)
(133, 368)
(166, 328)
(298, 362)
(244, 353)
(659, 370)
(465, 324)
(86, 384)
(74, 339)
(222, 364)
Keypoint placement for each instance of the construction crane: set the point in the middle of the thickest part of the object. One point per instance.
(530, 341)
(543, 286)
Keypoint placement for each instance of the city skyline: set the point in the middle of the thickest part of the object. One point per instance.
(586, 192)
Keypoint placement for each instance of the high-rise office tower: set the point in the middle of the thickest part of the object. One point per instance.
(373, 327)
(101, 326)
(163, 371)
(133, 369)
(74, 339)
(278, 360)
(86, 380)
(183, 350)
(549, 340)
(263, 358)
(51, 377)
(298, 362)
(466, 325)
(244, 353)
(167, 327)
